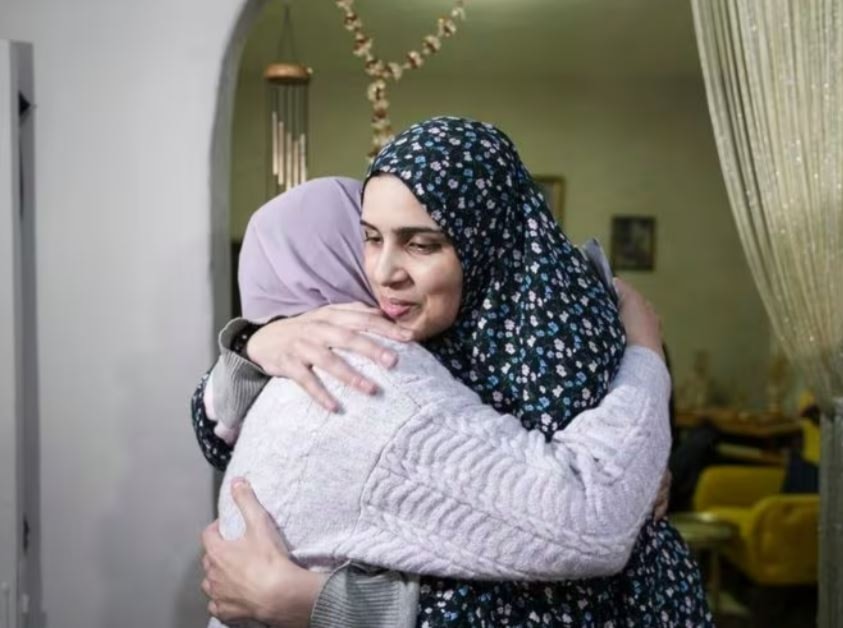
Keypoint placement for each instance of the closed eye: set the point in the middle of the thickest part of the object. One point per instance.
(424, 247)
(371, 237)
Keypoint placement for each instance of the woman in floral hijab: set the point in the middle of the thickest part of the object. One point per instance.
(538, 336)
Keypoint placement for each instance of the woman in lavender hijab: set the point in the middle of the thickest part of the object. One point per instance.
(329, 480)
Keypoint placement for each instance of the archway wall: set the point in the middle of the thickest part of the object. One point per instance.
(128, 101)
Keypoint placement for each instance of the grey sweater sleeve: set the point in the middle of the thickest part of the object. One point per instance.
(236, 381)
(358, 597)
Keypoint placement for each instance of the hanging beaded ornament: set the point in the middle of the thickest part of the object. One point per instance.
(383, 71)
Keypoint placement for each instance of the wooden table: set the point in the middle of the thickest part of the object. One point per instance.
(746, 437)
(730, 421)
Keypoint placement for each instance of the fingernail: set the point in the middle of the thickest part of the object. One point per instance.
(388, 359)
(238, 483)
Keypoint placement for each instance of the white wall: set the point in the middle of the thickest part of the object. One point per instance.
(126, 94)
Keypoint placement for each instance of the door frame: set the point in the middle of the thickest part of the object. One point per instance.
(18, 396)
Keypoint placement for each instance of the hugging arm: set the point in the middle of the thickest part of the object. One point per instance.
(252, 353)
(476, 496)
(461, 491)
(335, 600)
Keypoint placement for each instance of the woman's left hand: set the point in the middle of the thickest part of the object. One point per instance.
(252, 577)
(663, 497)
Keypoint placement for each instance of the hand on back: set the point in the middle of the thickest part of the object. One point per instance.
(291, 347)
(641, 322)
(252, 577)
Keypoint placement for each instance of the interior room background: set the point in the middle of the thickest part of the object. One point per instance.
(609, 97)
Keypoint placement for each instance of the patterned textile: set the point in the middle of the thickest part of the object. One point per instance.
(216, 450)
(537, 336)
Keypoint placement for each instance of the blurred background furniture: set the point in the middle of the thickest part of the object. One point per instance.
(775, 510)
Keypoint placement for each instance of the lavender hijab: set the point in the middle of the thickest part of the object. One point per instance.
(303, 250)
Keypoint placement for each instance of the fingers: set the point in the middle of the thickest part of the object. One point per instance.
(210, 535)
(363, 318)
(339, 338)
(316, 351)
(361, 345)
(253, 512)
(223, 612)
(333, 364)
(377, 324)
(313, 386)
(355, 306)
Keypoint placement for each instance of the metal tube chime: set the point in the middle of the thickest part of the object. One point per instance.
(287, 88)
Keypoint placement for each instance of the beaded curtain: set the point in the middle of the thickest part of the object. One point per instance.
(774, 77)
(773, 72)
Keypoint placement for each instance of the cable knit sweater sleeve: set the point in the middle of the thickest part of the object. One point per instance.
(462, 491)
(426, 479)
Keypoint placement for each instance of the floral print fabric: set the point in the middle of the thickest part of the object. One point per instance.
(538, 335)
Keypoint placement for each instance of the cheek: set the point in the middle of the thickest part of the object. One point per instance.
(444, 289)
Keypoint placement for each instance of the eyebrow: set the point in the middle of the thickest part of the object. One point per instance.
(408, 232)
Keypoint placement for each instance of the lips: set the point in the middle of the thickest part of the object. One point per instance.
(395, 308)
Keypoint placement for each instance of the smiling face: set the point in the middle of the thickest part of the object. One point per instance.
(410, 262)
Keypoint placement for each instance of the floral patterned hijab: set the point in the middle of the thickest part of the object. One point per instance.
(538, 335)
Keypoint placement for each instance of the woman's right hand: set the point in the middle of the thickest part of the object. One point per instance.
(252, 577)
(642, 325)
(291, 347)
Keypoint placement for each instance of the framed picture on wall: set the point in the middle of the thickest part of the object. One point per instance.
(633, 243)
(553, 190)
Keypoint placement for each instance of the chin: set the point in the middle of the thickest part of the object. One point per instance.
(418, 335)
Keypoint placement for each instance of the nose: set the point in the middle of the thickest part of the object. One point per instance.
(389, 269)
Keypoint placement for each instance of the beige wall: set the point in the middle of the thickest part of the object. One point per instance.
(641, 148)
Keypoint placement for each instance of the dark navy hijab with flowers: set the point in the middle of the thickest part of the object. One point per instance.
(537, 335)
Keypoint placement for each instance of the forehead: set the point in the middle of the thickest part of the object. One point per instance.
(388, 203)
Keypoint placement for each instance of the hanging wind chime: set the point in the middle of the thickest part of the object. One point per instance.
(288, 83)
(382, 71)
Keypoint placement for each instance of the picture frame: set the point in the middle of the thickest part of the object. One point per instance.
(553, 189)
(633, 245)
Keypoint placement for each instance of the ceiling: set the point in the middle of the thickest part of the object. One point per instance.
(632, 39)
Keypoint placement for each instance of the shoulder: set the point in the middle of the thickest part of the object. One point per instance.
(417, 374)
(416, 380)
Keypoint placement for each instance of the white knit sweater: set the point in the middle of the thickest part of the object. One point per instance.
(424, 478)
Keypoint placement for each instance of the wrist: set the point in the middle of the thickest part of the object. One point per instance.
(249, 348)
(655, 347)
(293, 598)
(240, 342)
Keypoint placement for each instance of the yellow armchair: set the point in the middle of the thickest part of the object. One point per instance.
(777, 539)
